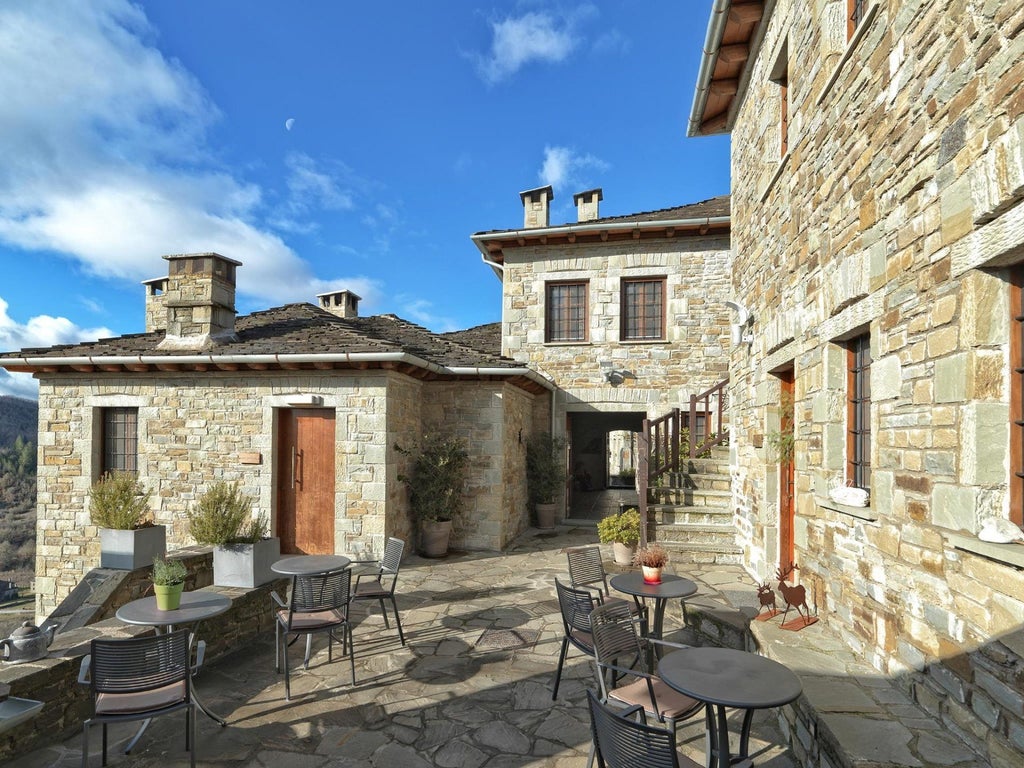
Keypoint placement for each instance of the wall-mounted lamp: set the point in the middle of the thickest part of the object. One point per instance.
(613, 375)
(742, 318)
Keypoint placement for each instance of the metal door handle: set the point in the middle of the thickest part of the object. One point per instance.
(293, 467)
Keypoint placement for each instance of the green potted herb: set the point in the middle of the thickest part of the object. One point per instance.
(119, 507)
(436, 480)
(242, 549)
(168, 582)
(545, 476)
(622, 531)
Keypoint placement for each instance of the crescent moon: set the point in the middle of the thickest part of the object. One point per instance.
(289, 123)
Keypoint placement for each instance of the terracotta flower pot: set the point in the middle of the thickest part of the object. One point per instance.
(623, 553)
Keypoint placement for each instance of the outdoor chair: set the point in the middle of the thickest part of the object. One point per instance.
(381, 586)
(139, 678)
(586, 571)
(621, 654)
(576, 606)
(623, 743)
(318, 603)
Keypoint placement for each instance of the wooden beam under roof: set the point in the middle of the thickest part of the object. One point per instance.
(747, 13)
(732, 54)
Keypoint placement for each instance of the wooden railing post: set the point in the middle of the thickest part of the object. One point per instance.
(644, 449)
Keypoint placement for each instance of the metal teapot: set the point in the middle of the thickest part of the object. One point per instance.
(27, 643)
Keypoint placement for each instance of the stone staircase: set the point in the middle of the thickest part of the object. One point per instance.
(690, 513)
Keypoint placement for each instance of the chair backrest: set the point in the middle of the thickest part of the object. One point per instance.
(392, 559)
(136, 664)
(613, 630)
(576, 606)
(322, 592)
(625, 743)
(587, 569)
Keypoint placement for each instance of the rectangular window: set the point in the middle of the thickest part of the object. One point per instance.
(855, 10)
(120, 440)
(566, 312)
(784, 113)
(643, 309)
(1017, 394)
(858, 421)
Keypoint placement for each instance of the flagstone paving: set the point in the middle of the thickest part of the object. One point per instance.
(472, 688)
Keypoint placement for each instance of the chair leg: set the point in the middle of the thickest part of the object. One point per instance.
(85, 744)
(191, 715)
(398, 621)
(309, 648)
(277, 646)
(104, 744)
(351, 652)
(558, 672)
(384, 613)
(287, 681)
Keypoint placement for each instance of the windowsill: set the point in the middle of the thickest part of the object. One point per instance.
(566, 343)
(861, 513)
(1010, 554)
(783, 162)
(642, 341)
(851, 46)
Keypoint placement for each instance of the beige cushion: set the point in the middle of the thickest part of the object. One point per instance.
(670, 703)
(143, 701)
(371, 588)
(313, 620)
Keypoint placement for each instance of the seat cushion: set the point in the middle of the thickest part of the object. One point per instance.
(305, 622)
(142, 701)
(670, 703)
(371, 588)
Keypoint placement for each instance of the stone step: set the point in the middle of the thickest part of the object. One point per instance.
(675, 514)
(721, 535)
(680, 552)
(712, 480)
(690, 497)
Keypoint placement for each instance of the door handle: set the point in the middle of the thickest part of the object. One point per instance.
(293, 467)
(301, 462)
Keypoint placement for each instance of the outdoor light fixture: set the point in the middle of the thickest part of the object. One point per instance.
(742, 318)
(613, 375)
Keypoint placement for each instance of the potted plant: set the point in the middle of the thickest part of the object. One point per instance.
(242, 549)
(651, 560)
(545, 475)
(119, 506)
(622, 531)
(168, 582)
(436, 481)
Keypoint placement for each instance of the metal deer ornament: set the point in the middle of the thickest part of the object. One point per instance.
(766, 596)
(795, 597)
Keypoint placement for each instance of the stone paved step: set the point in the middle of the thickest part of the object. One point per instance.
(721, 535)
(690, 496)
(674, 514)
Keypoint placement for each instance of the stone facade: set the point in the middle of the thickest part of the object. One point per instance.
(893, 213)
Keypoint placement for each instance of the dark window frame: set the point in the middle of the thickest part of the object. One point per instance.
(638, 320)
(858, 412)
(1016, 281)
(566, 323)
(119, 440)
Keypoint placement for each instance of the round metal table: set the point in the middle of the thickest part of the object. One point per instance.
(671, 586)
(310, 565)
(724, 677)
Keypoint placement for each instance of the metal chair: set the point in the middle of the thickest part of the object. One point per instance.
(623, 743)
(586, 571)
(576, 606)
(381, 586)
(318, 603)
(613, 630)
(137, 679)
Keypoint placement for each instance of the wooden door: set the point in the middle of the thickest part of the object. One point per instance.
(786, 474)
(305, 481)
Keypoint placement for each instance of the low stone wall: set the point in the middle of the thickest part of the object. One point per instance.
(88, 613)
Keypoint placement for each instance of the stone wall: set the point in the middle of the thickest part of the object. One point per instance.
(892, 213)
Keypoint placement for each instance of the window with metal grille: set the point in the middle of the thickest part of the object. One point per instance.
(643, 309)
(855, 10)
(1017, 394)
(566, 312)
(858, 430)
(120, 440)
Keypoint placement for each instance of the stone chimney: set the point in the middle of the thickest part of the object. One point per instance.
(156, 304)
(340, 303)
(200, 301)
(587, 203)
(537, 207)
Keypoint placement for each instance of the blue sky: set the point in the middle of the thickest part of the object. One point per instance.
(131, 131)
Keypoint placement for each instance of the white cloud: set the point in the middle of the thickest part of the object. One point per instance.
(105, 156)
(422, 312)
(534, 36)
(612, 42)
(564, 167)
(40, 331)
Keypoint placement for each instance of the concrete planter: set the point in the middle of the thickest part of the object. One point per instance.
(434, 536)
(245, 565)
(623, 553)
(129, 550)
(546, 515)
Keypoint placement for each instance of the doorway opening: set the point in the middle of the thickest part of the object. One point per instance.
(602, 462)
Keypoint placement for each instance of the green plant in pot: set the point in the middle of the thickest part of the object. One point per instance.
(545, 475)
(436, 480)
(242, 549)
(622, 531)
(119, 507)
(168, 582)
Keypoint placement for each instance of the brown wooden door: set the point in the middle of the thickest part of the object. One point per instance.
(305, 481)
(786, 474)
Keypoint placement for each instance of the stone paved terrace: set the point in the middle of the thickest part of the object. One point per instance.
(452, 699)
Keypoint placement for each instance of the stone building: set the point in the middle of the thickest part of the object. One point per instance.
(625, 315)
(878, 235)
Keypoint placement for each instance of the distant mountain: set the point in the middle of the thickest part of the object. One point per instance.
(18, 418)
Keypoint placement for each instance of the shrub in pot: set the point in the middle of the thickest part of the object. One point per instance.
(545, 476)
(242, 550)
(622, 531)
(168, 582)
(436, 479)
(119, 507)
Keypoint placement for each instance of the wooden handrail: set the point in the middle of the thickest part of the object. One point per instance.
(716, 430)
